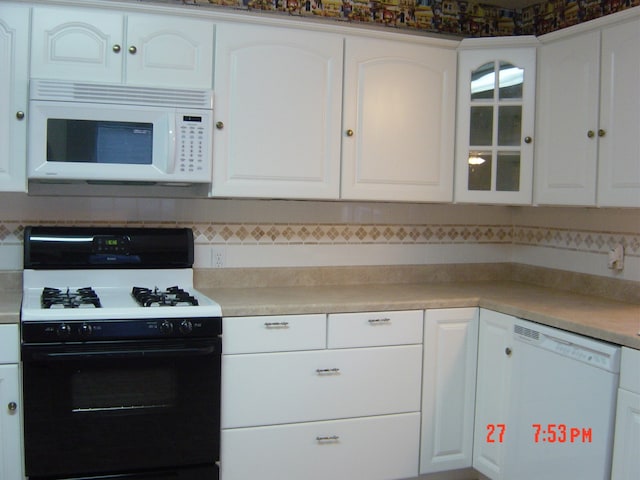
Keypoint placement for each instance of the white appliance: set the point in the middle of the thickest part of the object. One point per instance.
(562, 414)
(80, 131)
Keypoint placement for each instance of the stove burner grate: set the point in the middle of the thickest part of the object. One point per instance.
(171, 297)
(80, 298)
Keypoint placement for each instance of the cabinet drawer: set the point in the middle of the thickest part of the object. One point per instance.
(274, 333)
(629, 370)
(9, 344)
(277, 388)
(371, 329)
(377, 448)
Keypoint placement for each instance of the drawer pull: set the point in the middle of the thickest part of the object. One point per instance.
(327, 371)
(328, 438)
(276, 324)
(379, 321)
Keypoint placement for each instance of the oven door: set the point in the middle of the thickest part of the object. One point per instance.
(114, 408)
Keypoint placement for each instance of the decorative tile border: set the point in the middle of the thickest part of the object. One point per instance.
(254, 233)
(589, 241)
(581, 240)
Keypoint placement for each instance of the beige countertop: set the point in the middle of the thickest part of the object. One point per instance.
(597, 317)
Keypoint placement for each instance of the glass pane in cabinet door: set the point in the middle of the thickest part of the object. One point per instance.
(510, 80)
(483, 82)
(479, 171)
(481, 126)
(509, 125)
(508, 172)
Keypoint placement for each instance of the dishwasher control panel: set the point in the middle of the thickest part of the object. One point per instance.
(586, 350)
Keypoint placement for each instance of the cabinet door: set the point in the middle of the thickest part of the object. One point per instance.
(492, 392)
(448, 388)
(162, 50)
(277, 388)
(567, 121)
(626, 465)
(10, 431)
(374, 448)
(278, 96)
(398, 121)
(619, 152)
(77, 44)
(495, 123)
(14, 54)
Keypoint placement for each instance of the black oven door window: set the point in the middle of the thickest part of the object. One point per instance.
(95, 410)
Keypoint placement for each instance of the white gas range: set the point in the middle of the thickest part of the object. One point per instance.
(99, 275)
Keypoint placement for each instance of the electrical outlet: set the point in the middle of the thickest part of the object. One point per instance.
(218, 256)
(616, 258)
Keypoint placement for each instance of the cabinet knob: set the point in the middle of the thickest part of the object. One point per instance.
(528, 139)
(591, 134)
(602, 132)
(508, 352)
(116, 48)
(132, 50)
(219, 125)
(349, 133)
(12, 406)
(328, 438)
(19, 114)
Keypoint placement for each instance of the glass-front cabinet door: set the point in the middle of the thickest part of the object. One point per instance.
(495, 120)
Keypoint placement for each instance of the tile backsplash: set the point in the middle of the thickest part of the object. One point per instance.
(254, 233)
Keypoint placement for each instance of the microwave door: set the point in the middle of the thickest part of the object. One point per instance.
(98, 142)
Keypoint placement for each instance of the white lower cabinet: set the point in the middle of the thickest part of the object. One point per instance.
(492, 392)
(448, 388)
(342, 413)
(275, 388)
(626, 446)
(10, 405)
(371, 448)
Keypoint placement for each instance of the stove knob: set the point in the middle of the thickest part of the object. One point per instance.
(63, 331)
(186, 327)
(166, 327)
(85, 330)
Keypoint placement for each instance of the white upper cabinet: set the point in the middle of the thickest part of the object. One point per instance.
(14, 54)
(278, 107)
(495, 120)
(588, 113)
(619, 148)
(567, 119)
(106, 46)
(398, 120)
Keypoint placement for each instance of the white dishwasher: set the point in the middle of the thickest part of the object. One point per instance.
(562, 413)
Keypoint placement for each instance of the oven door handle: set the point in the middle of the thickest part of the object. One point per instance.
(129, 353)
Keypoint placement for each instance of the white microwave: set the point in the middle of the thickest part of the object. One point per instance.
(115, 133)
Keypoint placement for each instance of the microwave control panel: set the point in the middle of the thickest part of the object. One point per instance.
(191, 144)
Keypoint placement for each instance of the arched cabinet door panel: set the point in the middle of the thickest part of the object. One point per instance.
(108, 47)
